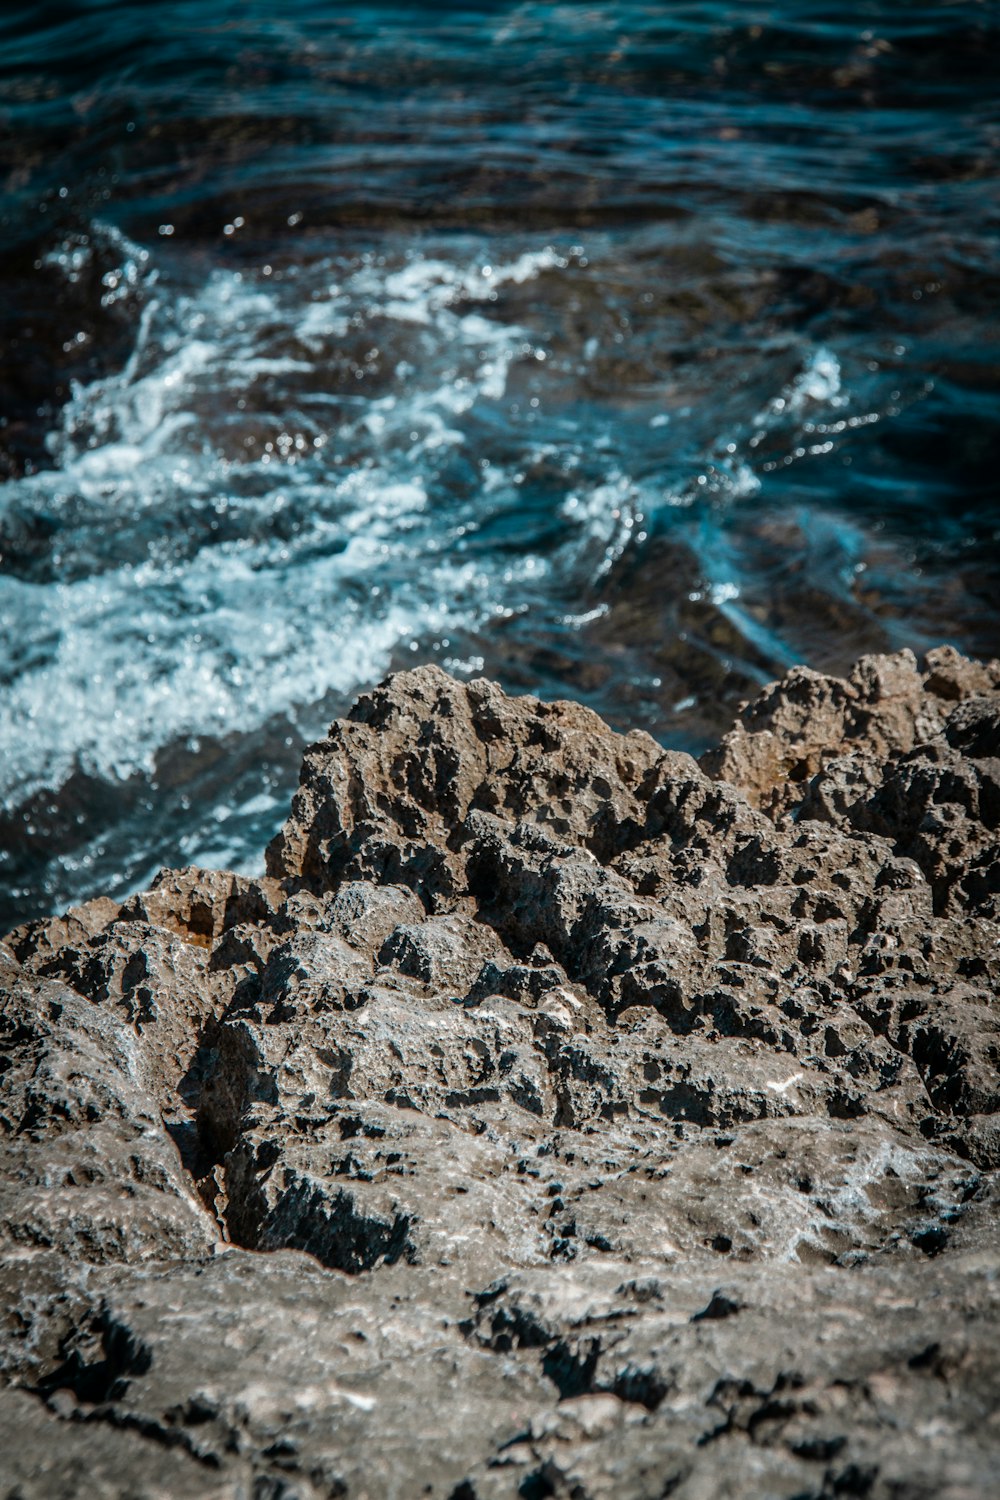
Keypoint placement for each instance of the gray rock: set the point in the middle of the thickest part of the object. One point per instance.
(558, 1117)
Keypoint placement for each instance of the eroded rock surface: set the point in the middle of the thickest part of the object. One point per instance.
(559, 1116)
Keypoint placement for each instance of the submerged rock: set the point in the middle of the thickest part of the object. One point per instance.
(559, 1116)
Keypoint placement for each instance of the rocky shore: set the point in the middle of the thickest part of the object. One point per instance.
(559, 1116)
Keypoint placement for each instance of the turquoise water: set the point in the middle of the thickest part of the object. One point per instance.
(625, 352)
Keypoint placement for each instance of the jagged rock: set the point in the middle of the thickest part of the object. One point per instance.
(559, 1116)
(88, 1168)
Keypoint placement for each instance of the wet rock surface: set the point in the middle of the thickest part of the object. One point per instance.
(559, 1116)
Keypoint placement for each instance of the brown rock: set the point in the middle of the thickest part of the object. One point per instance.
(559, 1117)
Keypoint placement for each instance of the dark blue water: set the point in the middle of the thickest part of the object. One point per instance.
(626, 352)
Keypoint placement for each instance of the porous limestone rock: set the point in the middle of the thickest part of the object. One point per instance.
(558, 1116)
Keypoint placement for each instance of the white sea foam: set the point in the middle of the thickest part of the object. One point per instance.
(240, 529)
(818, 381)
(610, 513)
(423, 287)
(187, 635)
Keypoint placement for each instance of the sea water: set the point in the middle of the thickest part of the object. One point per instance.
(624, 352)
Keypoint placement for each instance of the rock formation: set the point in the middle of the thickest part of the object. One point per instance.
(558, 1117)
